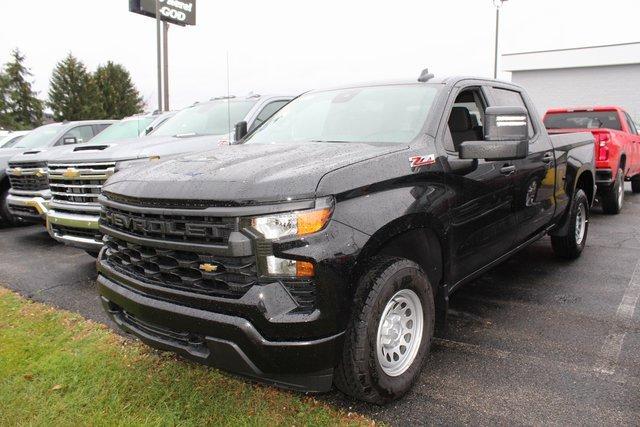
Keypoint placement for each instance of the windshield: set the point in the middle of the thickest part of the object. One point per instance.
(211, 118)
(394, 113)
(40, 137)
(583, 120)
(10, 141)
(124, 129)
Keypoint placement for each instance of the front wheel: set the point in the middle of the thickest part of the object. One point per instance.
(571, 245)
(389, 334)
(5, 215)
(613, 197)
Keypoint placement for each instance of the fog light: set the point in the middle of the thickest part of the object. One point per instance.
(289, 267)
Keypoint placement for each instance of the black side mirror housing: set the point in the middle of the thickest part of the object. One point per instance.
(240, 131)
(69, 140)
(506, 136)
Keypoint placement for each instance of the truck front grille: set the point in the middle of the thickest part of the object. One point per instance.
(175, 228)
(78, 183)
(28, 176)
(229, 277)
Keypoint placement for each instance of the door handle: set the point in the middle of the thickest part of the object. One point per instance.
(507, 169)
(548, 158)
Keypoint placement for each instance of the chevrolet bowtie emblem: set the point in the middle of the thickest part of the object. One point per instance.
(71, 173)
(208, 267)
(40, 173)
(17, 171)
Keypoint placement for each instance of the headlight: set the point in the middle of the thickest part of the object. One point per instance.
(292, 223)
(298, 223)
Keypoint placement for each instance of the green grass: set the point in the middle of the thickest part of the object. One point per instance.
(57, 368)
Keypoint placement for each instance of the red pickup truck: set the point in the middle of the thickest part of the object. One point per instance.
(617, 147)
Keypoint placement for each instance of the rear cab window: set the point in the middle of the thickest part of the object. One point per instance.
(583, 120)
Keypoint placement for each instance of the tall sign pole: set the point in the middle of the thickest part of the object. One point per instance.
(159, 53)
(165, 12)
(165, 49)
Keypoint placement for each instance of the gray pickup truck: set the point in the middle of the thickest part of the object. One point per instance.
(76, 176)
(31, 193)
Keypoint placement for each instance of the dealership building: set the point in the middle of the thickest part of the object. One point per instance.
(595, 75)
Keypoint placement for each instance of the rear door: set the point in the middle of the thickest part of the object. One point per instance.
(534, 176)
(482, 221)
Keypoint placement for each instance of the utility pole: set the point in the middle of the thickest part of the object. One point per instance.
(165, 48)
(159, 47)
(498, 4)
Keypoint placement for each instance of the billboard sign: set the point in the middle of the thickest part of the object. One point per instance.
(179, 12)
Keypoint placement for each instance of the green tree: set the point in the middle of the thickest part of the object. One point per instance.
(73, 93)
(118, 95)
(19, 104)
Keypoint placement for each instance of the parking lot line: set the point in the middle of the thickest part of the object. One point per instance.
(607, 361)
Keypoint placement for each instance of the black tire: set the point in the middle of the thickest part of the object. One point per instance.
(569, 246)
(635, 184)
(5, 215)
(613, 198)
(359, 372)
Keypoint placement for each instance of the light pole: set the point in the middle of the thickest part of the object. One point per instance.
(498, 4)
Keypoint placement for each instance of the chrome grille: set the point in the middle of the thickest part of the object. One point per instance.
(28, 176)
(78, 183)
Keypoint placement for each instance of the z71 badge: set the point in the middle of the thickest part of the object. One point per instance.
(417, 161)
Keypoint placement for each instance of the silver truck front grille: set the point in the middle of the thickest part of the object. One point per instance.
(28, 176)
(78, 184)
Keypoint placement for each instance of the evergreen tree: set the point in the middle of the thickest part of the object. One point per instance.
(19, 105)
(73, 93)
(118, 95)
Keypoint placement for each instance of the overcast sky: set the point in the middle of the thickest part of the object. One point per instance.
(294, 45)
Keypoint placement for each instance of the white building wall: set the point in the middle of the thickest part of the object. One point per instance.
(600, 85)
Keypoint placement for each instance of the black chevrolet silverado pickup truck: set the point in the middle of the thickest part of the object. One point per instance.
(323, 248)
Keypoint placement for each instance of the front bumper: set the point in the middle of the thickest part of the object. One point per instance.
(28, 208)
(224, 341)
(79, 230)
(261, 334)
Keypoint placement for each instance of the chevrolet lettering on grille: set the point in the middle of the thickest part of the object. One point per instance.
(157, 226)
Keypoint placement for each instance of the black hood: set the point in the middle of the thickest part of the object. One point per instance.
(250, 173)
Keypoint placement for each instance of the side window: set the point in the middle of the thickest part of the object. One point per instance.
(80, 133)
(99, 128)
(465, 119)
(511, 98)
(268, 111)
(631, 124)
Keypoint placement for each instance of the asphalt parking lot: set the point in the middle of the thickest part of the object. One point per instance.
(536, 340)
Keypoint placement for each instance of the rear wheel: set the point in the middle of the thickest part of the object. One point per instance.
(389, 334)
(571, 245)
(613, 197)
(635, 184)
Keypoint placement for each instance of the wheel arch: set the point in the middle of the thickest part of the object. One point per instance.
(586, 182)
(417, 237)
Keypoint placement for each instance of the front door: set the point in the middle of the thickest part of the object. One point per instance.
(482, 221)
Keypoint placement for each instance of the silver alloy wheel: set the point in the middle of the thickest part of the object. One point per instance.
(399, 332)
(581, 223)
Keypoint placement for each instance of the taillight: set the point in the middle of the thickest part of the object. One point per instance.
(602, 147)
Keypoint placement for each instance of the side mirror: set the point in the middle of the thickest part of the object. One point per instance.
(506, 136)
(69, 140)
(506, 124)
(241, 131)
